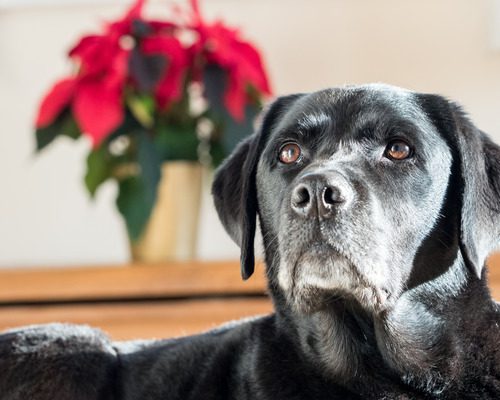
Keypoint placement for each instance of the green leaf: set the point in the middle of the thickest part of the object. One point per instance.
(133, 205)
(177, 142)
(214, 84)
(137, 194)
(236, 131)
(150, 163)
(146, 69)
(142, 108)
(99, 168)
(64, 125)
(229, 132)
(128, 127)
(217, 153)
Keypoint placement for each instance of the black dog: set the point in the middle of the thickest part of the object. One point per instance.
(378, 207)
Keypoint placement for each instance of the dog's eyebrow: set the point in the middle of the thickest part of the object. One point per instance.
(384, 129)
(313, 121)
(305, 124)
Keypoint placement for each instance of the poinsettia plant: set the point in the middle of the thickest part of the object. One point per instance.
(146, 91)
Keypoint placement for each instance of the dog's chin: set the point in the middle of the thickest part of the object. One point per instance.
(321, 277)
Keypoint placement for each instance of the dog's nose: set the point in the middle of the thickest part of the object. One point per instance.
(315, 196)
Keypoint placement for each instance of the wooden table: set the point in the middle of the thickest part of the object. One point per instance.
(142, 301)
(133, 301)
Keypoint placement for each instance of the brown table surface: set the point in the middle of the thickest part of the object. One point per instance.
(132, 301)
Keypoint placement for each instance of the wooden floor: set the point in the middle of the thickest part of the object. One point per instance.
(142, 301)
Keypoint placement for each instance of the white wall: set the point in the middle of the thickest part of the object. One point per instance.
(46, 217)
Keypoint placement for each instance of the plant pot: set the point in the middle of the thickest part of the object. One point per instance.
(171, 232)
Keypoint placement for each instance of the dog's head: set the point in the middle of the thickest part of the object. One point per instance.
(362, 192)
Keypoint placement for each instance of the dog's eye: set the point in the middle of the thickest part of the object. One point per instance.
(289, 153)
(398, 150)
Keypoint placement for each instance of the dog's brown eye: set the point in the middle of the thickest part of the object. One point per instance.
(290, 153)
(398, 150)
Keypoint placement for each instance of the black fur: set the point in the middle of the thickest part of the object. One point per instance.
(436, 334)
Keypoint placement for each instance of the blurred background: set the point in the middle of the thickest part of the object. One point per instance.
(450, 47)
(47, 218)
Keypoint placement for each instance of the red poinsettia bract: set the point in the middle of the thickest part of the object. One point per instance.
(169, 88)
(222, 46)
(96, 93)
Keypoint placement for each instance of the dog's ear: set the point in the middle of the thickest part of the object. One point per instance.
(234, 190)
(477, 161)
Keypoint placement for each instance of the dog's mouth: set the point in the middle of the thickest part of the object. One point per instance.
(322, 273)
